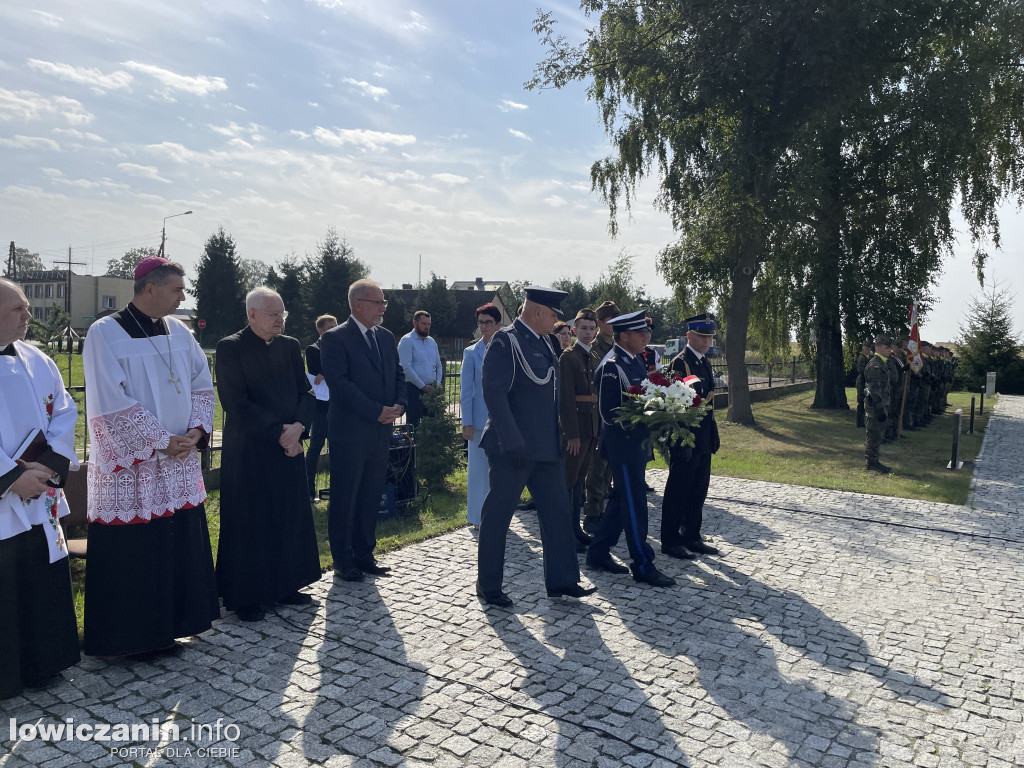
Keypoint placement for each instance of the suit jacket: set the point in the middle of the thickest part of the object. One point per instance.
(578, 418)
(686, 364)
(471, 394)
(522, 414)
(313, 358)
(360, 382)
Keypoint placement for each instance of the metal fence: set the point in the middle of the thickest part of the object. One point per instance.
(767, 374)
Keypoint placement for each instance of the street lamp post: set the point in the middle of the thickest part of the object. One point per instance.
(163, 230)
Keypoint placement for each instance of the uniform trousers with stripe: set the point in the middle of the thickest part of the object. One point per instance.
(626, 513)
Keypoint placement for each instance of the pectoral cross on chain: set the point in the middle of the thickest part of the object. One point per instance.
(175, 380)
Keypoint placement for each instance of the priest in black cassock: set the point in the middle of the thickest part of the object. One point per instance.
(267, 549)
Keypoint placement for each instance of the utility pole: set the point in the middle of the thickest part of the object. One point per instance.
(163, 230)
(67, 302)
(12, 263)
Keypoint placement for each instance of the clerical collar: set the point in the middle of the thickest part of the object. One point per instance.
(8, 349)
(623, 352)
(697, 354)
(151, 326)
(586, 347)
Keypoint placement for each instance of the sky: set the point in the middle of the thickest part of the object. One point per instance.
(404, 126)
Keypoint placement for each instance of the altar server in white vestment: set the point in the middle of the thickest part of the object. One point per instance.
(38, 637)
(149, 403)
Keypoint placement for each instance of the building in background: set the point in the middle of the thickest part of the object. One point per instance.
(92, 296)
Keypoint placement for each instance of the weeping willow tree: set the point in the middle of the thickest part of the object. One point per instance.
(780, 134)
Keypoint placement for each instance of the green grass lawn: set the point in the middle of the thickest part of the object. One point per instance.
(793, 444)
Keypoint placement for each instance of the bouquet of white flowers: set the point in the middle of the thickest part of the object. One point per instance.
(668, 408)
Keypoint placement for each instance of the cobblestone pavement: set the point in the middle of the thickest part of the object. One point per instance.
(835, 629)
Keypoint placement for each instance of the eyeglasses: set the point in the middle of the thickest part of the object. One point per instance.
(378, 302)
(283, 315)
(482, 323)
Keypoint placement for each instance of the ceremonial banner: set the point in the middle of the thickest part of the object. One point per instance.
(914, 344)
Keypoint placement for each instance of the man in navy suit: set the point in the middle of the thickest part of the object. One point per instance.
(367, 386)
(689, 469)
(523, 446)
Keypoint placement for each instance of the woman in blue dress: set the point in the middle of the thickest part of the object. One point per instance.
(474, 412)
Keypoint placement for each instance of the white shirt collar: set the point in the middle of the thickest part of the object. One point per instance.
(624, 352)
(362, 328)
(586, 347)
(695, 352)
(523, 323)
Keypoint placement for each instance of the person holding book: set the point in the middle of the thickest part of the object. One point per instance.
(38, 636)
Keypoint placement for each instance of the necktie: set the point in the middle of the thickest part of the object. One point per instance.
(372, 338)
(8, 350)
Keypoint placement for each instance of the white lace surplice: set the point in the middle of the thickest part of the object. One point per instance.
(32, 396)
(133, 409)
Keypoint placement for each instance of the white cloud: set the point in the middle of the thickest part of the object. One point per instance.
(449, 178)
(197, 85)
(49, 19)
(519, 134)
(373, 140)
(29, 106)
(554, 201)
(416, 23)
(233, 130)
(403, 176)
(30, 142)
(95, 79)
(374, 91)
(143, 171)
(74, 133)
(507, 105)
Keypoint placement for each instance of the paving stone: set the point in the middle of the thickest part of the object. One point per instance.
(836, 630)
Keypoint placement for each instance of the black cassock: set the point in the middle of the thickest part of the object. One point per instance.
(267, 546)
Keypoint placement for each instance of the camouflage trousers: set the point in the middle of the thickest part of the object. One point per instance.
(598, 484)
(873, 429)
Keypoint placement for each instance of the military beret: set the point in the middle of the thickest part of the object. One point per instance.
(606, 310)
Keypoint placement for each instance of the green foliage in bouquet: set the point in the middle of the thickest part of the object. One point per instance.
(667, 408)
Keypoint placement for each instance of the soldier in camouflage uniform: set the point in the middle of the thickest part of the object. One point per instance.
(598, 481)
(862, 360)
(897, 369)
(877, 402)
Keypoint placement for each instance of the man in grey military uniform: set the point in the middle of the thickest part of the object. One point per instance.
(876, 402)
(524, 449)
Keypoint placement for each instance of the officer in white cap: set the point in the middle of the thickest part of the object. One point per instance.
(524, 449)
(627, 452)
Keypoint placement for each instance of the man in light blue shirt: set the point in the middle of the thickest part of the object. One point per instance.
(421, 361)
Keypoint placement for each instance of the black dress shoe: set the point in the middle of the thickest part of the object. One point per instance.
(296, 598)
(498, 598)
(573, 590)
(591, 523)
(701, 548)
(250, 613)
(581, 535)
(608, 565)
(349, 573)
(877, 466)
(373, 569)
(678, 551)
(655, 578)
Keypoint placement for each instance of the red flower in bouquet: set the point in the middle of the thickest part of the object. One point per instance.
(659, 379)
(636, 389)
(697, 400)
